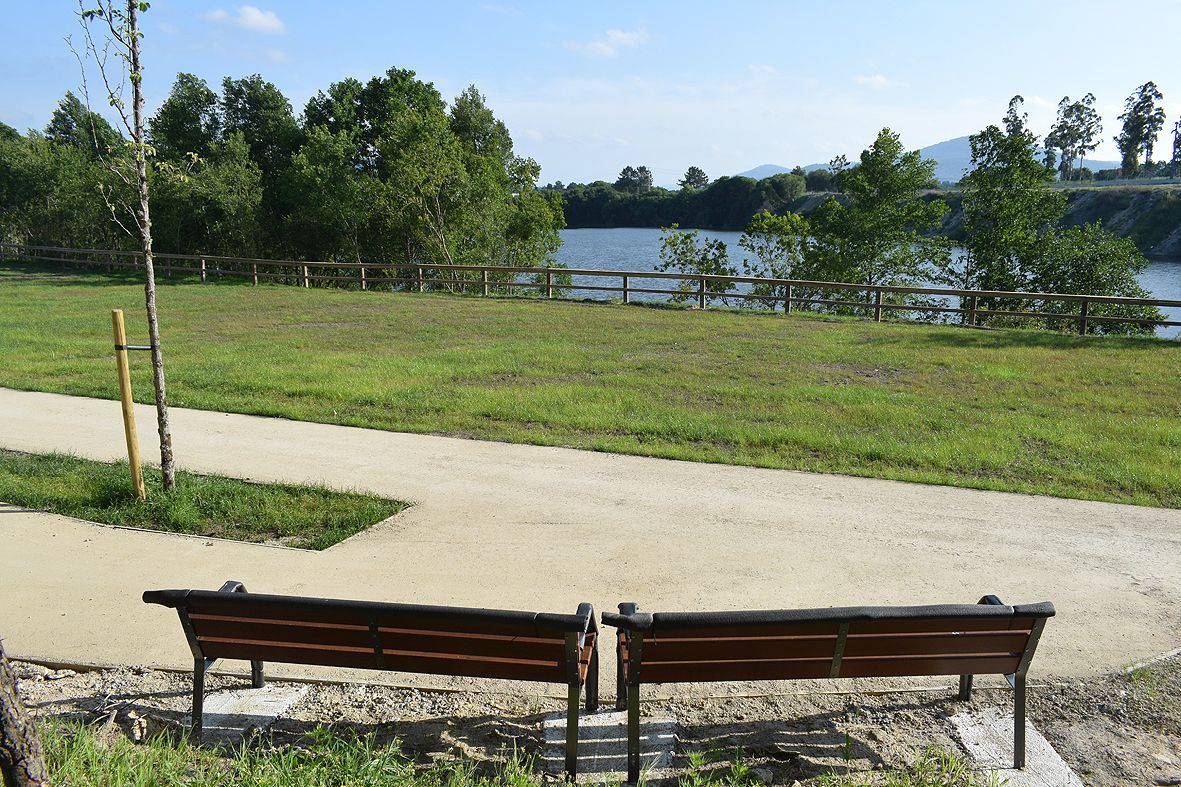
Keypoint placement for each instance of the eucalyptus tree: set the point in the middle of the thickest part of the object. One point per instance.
(1143, 120)
(1075, 133)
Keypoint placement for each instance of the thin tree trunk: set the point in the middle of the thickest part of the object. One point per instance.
(167, 463)
(22, 762)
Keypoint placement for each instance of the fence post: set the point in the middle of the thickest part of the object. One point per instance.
(1082, 319)
(627, 296)
(549, 283)
(787, 301)
(202, 270)
(254, 273)
(364, 284)
(877, 311)
(418, 268)
(484, 282)
(972, 311)
(305, 276)
(701, 294)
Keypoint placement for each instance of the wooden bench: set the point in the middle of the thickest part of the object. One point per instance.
(483, 643)
(848, 642)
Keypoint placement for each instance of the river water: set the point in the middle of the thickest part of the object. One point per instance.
(638, 249)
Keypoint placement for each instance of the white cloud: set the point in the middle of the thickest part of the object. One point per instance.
(876, 81)
(609, 44)
(250, 18)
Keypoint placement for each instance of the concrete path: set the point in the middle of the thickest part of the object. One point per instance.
(544, 528)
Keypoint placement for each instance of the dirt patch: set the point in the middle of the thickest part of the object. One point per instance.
(1113, 730)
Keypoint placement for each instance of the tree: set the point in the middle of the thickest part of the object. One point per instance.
(1143, 121)
(881, 233)
(1006, 206)
(687, 252)
(120, 27)
(75, 124)
(820, 181)
(1076, 133)
(478, 128)
(22, 760)
(1176, 161)
(188, 122)
(634, 180)
(781, 246)
(695, 179)
(1013, 242)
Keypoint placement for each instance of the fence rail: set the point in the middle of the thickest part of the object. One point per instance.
(702, 288)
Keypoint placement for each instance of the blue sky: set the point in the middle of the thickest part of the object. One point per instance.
(587, 88)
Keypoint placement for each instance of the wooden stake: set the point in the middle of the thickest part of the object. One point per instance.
(137, 472)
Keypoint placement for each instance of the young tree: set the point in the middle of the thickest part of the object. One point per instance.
(1176, 161)
(1076, 133)
(781, 249)
(1143, 120)
(120, 28)
(695, 179)
(881, 233)
(685, 251)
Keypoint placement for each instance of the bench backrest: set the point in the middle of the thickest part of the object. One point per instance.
(851, 642)
(370, 635)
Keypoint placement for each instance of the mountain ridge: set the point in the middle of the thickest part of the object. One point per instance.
(953, 158)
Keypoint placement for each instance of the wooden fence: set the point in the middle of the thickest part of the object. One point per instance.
(704, 289)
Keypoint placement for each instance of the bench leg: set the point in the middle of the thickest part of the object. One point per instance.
(633, 734)
(620, 676)
(592, 682)
(965, 687)
(1019, 722)
(198, 697)
(257, 678)
(572, 704)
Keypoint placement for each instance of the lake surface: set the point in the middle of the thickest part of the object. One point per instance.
(638, 249)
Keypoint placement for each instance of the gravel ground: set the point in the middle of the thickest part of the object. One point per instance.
(1119, 729)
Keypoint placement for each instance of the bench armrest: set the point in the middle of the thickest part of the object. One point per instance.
(636, 621)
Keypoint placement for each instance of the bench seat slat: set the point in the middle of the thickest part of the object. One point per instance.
(795, 669)
(886, 626)
(730, 648)
(208, 627)
(394, 661)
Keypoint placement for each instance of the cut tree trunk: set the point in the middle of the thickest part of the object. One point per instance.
(22, 763)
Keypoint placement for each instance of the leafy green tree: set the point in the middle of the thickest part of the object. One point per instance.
(634, 180)
(1013, 242)
(1006, 206)
(695, 179)
(1075, 133)
(781, 246)
(782, 190)
(478, 128)
(338, 110)
(1143, 120)
(880, 234)
(74, 124)
(1088, 259)
(685, 251)
(385, 100)
(188, 122)
(1175, 168)
(332, 213)
(820, 181)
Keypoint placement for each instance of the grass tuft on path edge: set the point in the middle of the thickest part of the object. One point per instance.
(307, 517)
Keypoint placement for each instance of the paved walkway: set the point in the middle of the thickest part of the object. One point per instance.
(545, 528)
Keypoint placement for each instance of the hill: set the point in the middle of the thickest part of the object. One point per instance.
(953, 158)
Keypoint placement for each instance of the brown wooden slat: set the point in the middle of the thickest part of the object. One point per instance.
(491, 646)
(917, 644)
(731, 648)
(282, 631)
(394, 662)
(697, 672)
(937, 665)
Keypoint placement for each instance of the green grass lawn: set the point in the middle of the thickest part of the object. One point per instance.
(299, 516)
(1023, 411)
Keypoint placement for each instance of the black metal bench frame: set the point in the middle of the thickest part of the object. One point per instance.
(580, 634)
(635, 627)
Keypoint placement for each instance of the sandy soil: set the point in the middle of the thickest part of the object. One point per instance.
(1114, 729)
